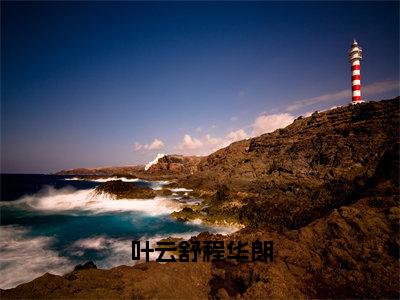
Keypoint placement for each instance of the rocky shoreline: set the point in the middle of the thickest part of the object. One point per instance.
(325, 189)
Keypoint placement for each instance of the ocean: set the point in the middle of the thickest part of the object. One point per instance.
(51, 223)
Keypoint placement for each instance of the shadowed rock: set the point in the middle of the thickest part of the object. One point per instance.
(86, 265)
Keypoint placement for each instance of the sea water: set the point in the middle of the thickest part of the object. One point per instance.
(51, 223)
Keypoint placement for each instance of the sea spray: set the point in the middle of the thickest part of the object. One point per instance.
(23, 258)
(69, 200)
(59, 228)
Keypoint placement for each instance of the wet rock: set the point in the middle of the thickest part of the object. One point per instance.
(163, 192)
(125, 190)
(186, 214)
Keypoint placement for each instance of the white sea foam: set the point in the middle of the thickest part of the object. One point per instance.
(23, 258)
(120, 250)
(196, 222)
(154, 206)
(154, 161)
(176, 190)
(106, 179)
(116, 178)
(70, 201)
(155, 185)
(72, 178)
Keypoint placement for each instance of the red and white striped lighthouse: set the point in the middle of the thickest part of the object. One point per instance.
(355, 56)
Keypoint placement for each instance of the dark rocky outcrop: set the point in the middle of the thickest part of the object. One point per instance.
(86, 265)
(125, 190)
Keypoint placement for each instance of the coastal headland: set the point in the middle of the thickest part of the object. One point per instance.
(324, 189)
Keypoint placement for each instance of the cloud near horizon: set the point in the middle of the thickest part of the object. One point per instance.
(156, 144)
(207, 144)
(368, 90)
(190, 143)
(269, 123)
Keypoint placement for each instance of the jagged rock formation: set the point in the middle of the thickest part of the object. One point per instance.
(300, 173)
(176, 164)
(86, 265)
(327, 145)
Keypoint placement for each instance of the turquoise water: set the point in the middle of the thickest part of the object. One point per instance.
(57, 223)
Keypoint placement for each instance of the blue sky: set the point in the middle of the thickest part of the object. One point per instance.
(105, 83)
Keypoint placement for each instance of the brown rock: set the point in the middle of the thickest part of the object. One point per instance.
(125, 190)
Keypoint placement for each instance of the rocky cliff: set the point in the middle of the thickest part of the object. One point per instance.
(176, 164)
(345, 142)
(325, 189)
(297, 174)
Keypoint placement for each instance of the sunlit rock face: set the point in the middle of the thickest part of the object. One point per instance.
(299, 173)
(175, 164)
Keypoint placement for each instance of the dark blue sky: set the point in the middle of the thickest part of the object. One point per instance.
(106, 83)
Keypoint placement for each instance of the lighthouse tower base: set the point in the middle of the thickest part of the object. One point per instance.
(357, 102)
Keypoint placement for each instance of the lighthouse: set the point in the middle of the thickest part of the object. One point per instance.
(355, 56)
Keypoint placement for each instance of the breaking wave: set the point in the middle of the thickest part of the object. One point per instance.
(29, 250)
(155, 185)
(24, 258)
(104, 179)
(70, 200)
(119, 251)
(176, 190)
